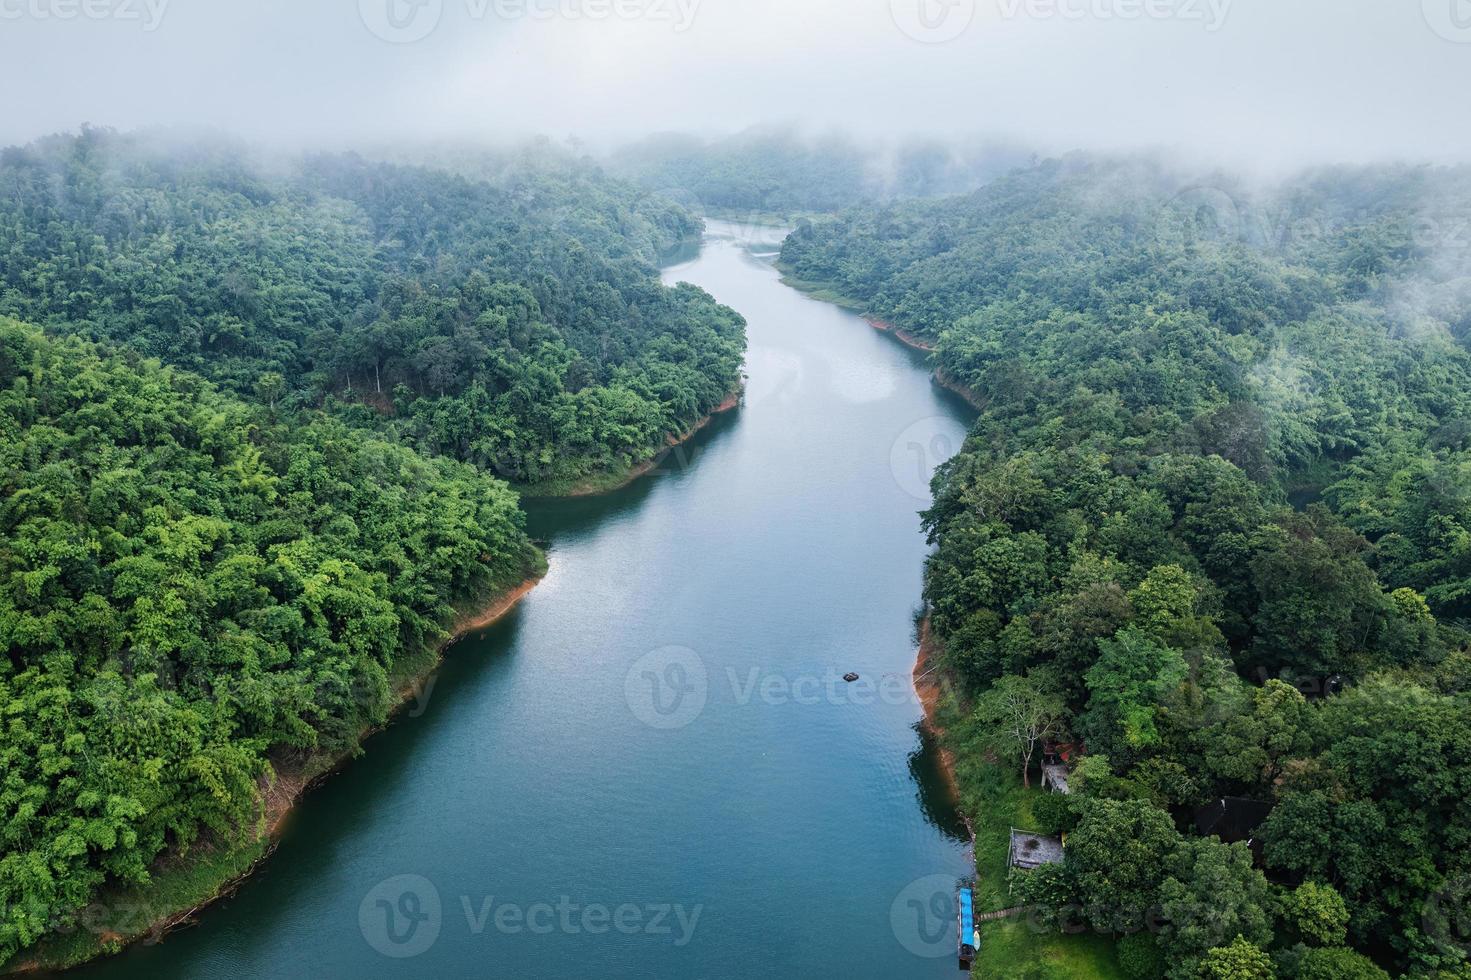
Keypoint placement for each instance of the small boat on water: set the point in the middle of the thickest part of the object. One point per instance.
(967, 936)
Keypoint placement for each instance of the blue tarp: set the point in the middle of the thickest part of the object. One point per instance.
(967, 923)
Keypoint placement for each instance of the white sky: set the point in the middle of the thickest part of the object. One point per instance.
(1261, 82)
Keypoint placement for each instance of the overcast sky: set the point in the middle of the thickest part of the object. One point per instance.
(1258, 81)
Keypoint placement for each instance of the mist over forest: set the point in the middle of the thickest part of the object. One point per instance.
(678, 380)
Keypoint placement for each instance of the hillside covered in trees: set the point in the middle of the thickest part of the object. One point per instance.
(258, 419)
(1213, 526)
(192, 587)
(517, 324)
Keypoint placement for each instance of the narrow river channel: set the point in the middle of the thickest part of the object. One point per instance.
(652, 767)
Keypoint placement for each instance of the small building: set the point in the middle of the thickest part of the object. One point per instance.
(1029, 850)
(1054, 777)
(1057, 762)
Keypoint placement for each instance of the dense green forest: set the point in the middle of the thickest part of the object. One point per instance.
(516, 323)
(191, 586)
(257, 419)
(1213, 524)
(778, 172)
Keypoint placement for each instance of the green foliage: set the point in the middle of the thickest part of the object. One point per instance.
(1240, 960)
(1216, 489)
(1133, 677)
(1337, 964)
(517, 324)
(1140, 957)
(184, 586)
(1055, 813)
(1317, 913)
(1118, 858)
(1016, 715)
(1048, 893)
(1212, 892)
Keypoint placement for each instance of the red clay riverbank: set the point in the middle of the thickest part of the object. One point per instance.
(899, 333)
(929, 684)
(942, 377)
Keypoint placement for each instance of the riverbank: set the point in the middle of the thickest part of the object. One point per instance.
(900, 334)
(616, 479)
(941, 377)
(184, 884)
(933, 686)
(991, 800)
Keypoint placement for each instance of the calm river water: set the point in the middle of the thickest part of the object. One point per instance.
(651, 767)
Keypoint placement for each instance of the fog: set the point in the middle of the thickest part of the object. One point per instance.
(1258, 83)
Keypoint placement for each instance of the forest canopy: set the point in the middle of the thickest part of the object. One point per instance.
(1214, 517)
(517, 323)
(258, 419)
(187, 586)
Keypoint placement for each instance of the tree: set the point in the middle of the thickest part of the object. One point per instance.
(1247, 751)
(1133, 675)
(269, 388)
(1212, 892)
(1337, 964)
(1317, 913)
(1240, 960)
(1320, 603)
(1168, 603)
(1140, 957)
(1118, 856)
(1016, 715)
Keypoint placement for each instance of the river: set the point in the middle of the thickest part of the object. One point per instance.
(652, 767)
